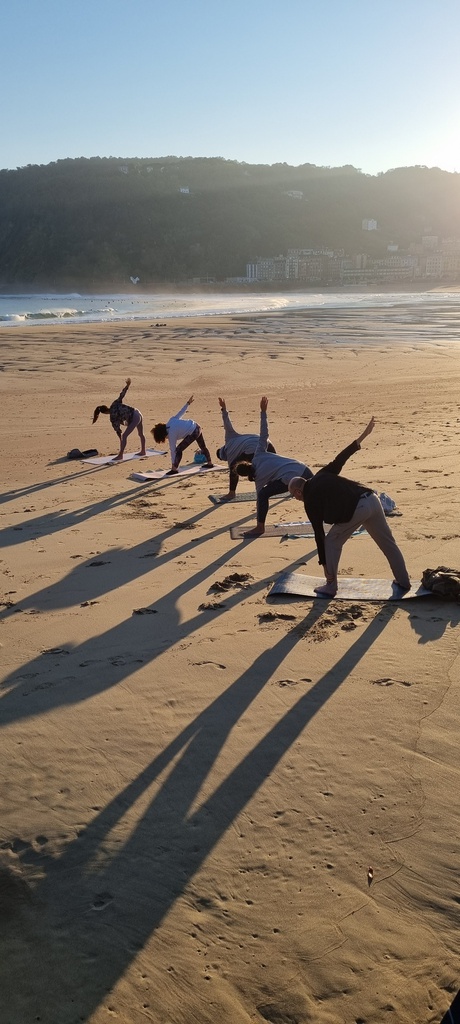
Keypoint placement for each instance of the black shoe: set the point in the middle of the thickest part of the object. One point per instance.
(208, 465)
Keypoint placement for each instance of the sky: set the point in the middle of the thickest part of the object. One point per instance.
(372, 83)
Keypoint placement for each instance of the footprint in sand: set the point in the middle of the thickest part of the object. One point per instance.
(388, 681)
(216, 664)
(293, 682)
(273, 616)
(101, 900)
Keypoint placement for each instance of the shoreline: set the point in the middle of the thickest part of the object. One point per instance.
(119, 309)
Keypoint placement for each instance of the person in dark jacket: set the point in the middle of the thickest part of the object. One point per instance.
(347, 504)
(123, 415)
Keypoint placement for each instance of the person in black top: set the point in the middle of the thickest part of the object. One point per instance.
(330, 498)
(123, 415)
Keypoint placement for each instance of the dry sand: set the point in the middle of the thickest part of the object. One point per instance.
(193, 796)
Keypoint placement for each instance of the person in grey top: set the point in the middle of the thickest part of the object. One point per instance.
(270, 472)
(237, 448)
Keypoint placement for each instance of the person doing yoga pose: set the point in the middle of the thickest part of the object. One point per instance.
(237, 448)
(123, 415)
(330, 498)
(270, 472)
(180, 434)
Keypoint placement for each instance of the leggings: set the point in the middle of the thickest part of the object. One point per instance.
(135, 421)
(197, 436)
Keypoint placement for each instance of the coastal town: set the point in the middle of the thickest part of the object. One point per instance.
(429, 258)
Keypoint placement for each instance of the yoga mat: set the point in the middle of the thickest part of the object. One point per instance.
(160, 474)
(107, 460)
(217, 499)
(282, 530)
(350, 588)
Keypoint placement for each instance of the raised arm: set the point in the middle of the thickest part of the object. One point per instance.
(338, 463)
(184, 408)
(123, 393)
(367, 430)
(228, 425)
(263, 436)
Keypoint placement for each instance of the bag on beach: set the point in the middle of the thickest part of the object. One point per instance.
(75, 453)
(387, 503)
(443, 582)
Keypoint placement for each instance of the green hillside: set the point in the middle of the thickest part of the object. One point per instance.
(91, 222)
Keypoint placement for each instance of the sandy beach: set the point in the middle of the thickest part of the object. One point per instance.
(196, 780)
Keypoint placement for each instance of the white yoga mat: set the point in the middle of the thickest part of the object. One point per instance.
(160, 474)
(283, 530)
(107, 460)
(349, 589)
(219, 499)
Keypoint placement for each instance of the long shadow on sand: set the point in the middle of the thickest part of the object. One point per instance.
(64, 519)
(167, 846)
(81, 585)
(104, 661)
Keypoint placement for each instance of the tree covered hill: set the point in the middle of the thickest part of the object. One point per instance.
(99, 221)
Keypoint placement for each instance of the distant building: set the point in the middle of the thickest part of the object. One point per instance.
(430, 241)
(369, 225)
(185, 190)
(434, 265)
(293, 194)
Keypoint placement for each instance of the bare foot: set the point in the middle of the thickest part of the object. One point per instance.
(228, 497)
(328, 590)
(253, 533)
(140, 454)
(117, 458)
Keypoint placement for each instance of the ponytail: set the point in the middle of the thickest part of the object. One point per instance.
(98, 409)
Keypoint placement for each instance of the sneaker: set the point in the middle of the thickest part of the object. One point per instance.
(402, 586)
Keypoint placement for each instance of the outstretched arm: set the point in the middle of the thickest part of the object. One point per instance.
(367, 430)
(228, 425)
(263, 436)
(123, 393)
(338, 463)
(184, 409)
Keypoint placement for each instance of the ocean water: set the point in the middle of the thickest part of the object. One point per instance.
(32, 309)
